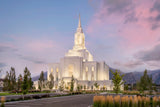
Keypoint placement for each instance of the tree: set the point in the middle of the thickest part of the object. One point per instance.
(145, 83)
(51, 82)
(96, 85)
(27, 83)
(12, 77)
(78, 87)
(72, 84)
(10, 80)
(61, 87)
(117, 81)
(6, 82)
(41, 81)
(19, 83)
(125, 86)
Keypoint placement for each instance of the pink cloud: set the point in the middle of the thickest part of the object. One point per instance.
(130, 23)
(136, 33)
(38, 45)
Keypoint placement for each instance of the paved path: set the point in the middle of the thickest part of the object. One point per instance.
(65, 101)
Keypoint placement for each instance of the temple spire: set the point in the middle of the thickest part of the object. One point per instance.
(79, 24)
(79, 29)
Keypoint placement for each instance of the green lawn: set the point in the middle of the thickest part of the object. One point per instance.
(7, 93)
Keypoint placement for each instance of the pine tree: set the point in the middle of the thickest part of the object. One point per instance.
(96, 85)
(51, 82)
(6, 82)
(10, 80)
(145, 83)
(41, 81)
(61, 87)
(117, 81)
(19, 83)
(72, 84)
(27, 81)
(25, 84)
(12, 77)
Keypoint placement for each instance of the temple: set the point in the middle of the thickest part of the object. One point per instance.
(78, 62)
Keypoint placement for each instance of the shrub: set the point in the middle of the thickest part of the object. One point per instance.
(135, 101)
(154, 102)
(96, 100)
(131, 101)
(117, 101)
(159, 101)
(2, 101)
(125, 101)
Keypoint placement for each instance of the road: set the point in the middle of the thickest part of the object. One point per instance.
(64, 101)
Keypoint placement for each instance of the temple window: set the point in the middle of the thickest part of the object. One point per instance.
(70, 70)
(86, 73)
(51, 69)
(92, 68)
(57, 70)
(86, 69)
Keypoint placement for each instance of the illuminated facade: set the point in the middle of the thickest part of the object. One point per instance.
(79, 63)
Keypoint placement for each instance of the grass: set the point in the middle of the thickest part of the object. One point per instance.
(125, 101)
(8, 93)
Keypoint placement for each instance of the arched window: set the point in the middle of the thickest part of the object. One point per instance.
(92, 73)
(92, 68)
(51, 70)
(57, 70)
(86, 73)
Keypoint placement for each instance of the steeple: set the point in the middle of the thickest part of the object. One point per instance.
(79, 29)
(79, 24)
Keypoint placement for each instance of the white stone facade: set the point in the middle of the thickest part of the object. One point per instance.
(79, 63)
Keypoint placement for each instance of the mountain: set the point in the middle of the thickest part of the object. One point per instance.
(35, 78)
(133, 77)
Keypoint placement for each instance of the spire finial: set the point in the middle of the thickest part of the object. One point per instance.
(79, 29)
(79, 24)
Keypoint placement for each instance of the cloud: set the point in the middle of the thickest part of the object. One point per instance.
(155, 19)
(149, 55)
(2, 65)
(117, 6)
(7, 47)
(129, 26)
(129, 64)
(32, 59)
(125, 8)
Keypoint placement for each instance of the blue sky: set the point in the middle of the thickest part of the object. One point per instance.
(123, 33)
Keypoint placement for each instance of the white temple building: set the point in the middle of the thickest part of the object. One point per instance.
(79, 63)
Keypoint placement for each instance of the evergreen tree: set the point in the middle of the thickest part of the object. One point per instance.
(51, 82)
(10, 80)
(145, 83)
(96, 85)
(27, 81)
(72, 84)
(41, 81)
(6, 82)
(117, 81)
(19, 83)
(126, 87)
(12, 77)
(61, 87)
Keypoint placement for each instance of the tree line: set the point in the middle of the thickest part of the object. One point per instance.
(23, 83)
